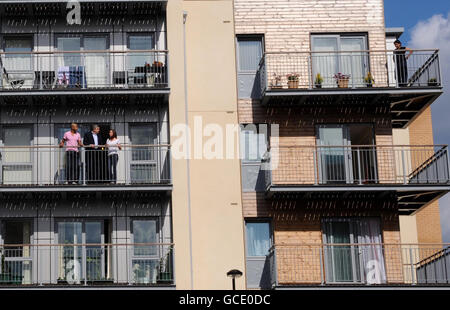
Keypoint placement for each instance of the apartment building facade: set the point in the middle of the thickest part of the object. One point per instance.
(140, 68)
(345, 192)
(338, 172)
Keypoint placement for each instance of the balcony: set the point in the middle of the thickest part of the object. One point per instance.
(367, 78)
(417, 174)
(359, 264)
(52, 169)
(28, 265)
(109, 73)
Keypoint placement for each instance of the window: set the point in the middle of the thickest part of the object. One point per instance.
(253, 145)
(353, 250)
(250, 52)
(254, 142)
(140, 42)
(94, 66)
(258, 238)
(144, 157)
(340, 54)
(18, 62)
(17, 162)
(145, 260)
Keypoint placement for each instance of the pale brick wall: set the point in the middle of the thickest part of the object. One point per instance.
(428, 218)
(287, 24)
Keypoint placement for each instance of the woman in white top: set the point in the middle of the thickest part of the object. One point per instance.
(113, 145)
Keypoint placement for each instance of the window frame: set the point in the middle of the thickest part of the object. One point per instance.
(261, 220)
(82, 36)
(258, 132)
(248, 37)
(141, 34)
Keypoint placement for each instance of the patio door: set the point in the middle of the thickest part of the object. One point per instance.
(18, 62)
(97, 64)
(16, 267)
(353, 251)
(83, 256)
(345, 54)
(353, 60)
(16, 163)
(146, 156)
(145, 258)
(334, 154)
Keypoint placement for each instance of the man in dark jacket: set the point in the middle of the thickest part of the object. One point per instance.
(93, 143)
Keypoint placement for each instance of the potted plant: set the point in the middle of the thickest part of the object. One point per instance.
(276, 82)
(165, 267)
(293, 80)
(342, 80)
(158, 64)
(369, 80)
(318, 81)
(432, 82)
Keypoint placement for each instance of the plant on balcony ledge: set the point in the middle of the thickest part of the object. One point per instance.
(276, 82)
(318, 81)
(369, 80)
(432, 82)
(342, 80)
(293, 80)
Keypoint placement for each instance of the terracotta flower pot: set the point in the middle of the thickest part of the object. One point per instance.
(293, 84)
(343, 83)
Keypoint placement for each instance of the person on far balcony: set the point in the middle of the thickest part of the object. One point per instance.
(113, 145)
(94, 162)
(401, 56)
(72, 142)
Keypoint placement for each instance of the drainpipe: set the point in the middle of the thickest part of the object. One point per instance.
(188, 145)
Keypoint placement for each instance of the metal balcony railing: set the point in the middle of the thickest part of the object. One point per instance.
(347, 70)
(87, 264)
(84, 70)
(357, 165)
(359, 264)
(54, 166)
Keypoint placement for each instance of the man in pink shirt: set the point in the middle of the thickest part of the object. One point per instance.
(72, 141)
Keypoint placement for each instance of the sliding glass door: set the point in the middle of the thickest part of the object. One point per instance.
(80, 254)
(353, 250)
(145, 257)
(83, 69)
(17, 261)
(16, 159)
(346, 154)
(19, 57)
(334, 155)
(97, 64)
(344, 54)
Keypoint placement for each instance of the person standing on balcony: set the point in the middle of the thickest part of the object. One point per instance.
(72, 141)
(93, 142)
(113, 145)
(401, 59)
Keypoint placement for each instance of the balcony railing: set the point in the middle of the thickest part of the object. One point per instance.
(143, 165)
(84, 70)
(358, 69)
(87, 264)
(359, 264)
(357, 165)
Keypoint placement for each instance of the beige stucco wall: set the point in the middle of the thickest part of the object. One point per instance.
(217, 236)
